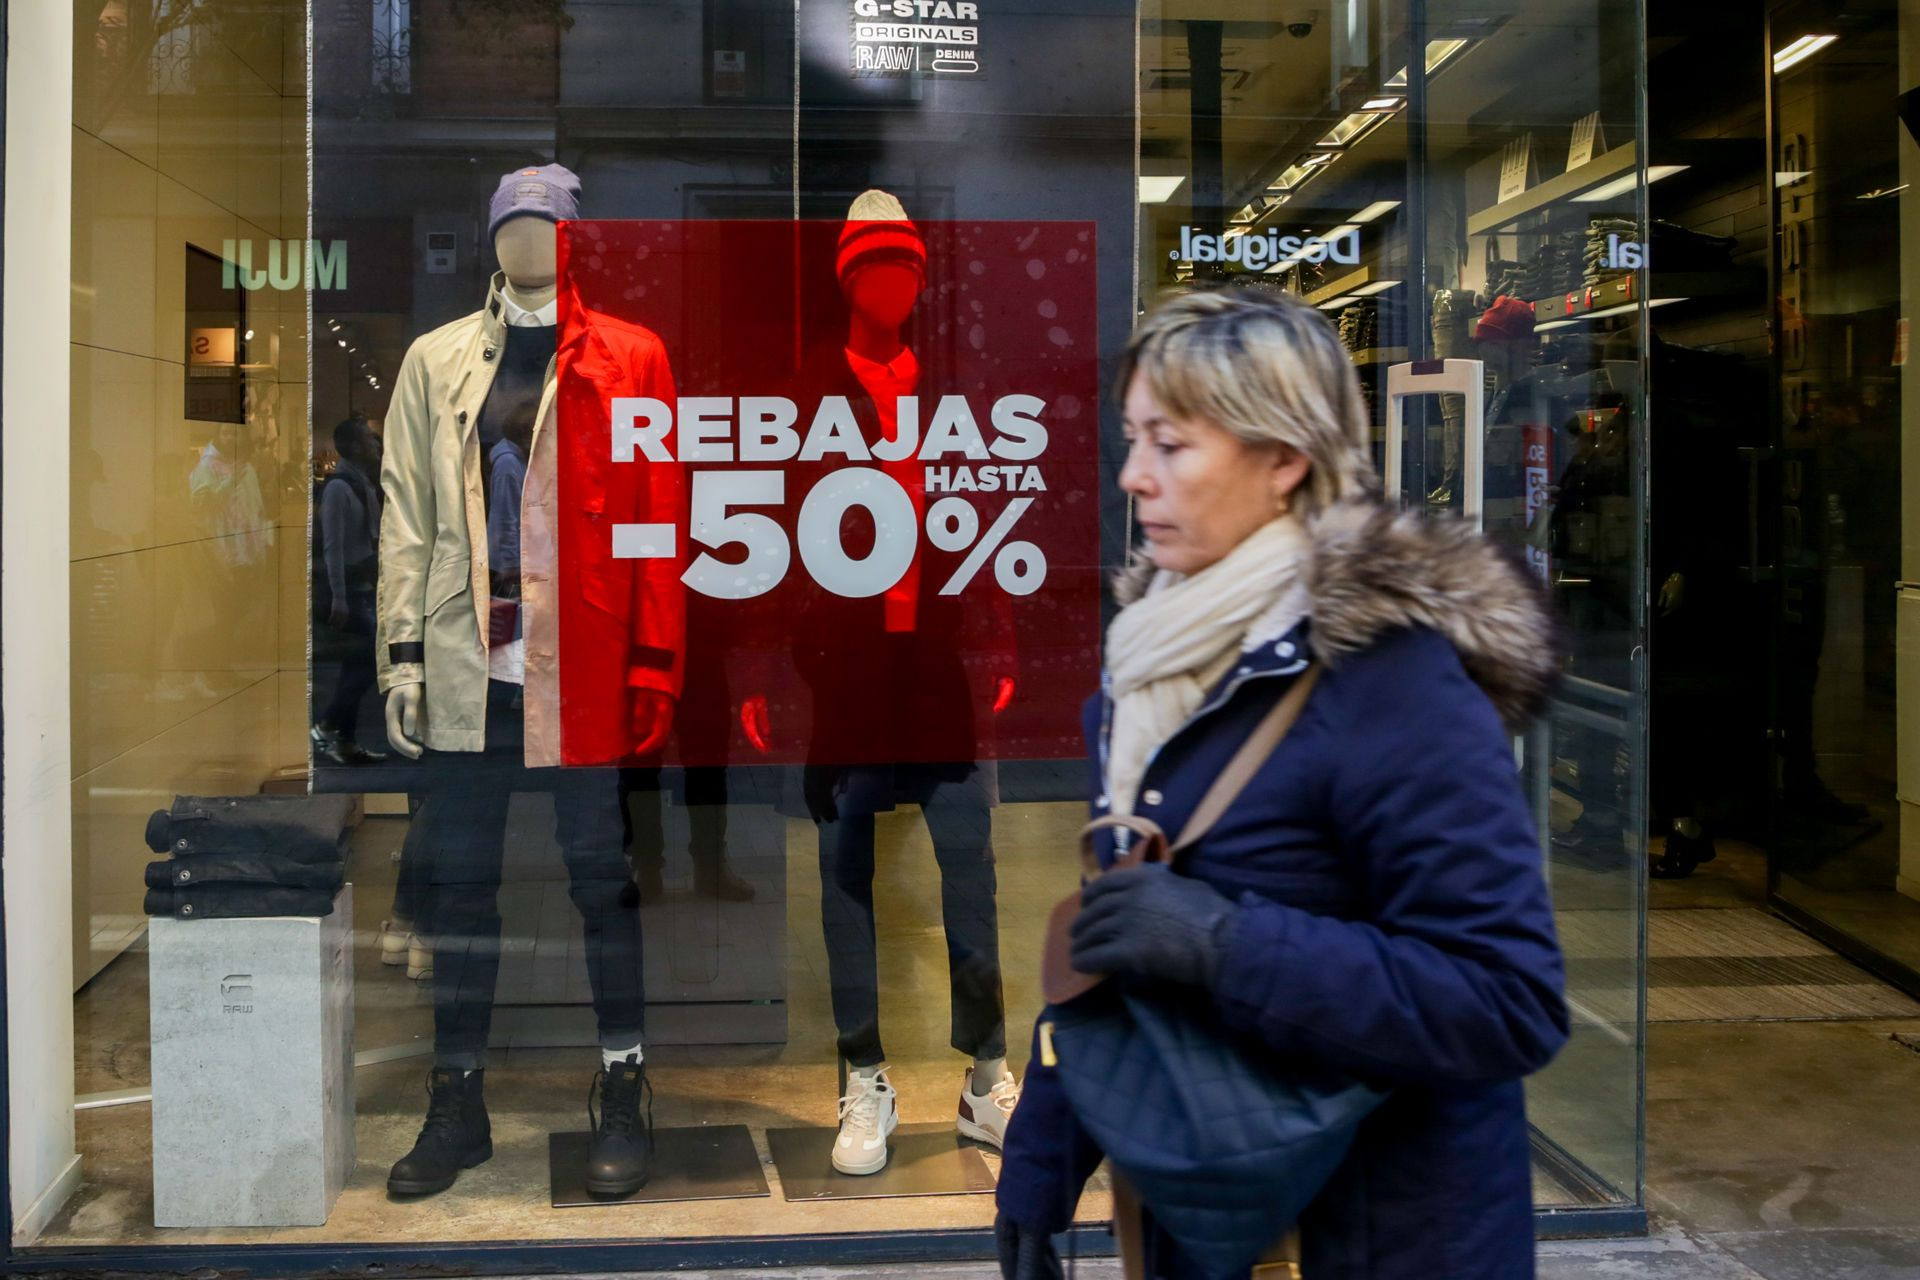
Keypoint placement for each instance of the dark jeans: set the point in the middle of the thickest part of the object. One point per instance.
(239, 902)
(457, 883)
(960, 824)
(357, 667)
(233, 870)
(298, 828)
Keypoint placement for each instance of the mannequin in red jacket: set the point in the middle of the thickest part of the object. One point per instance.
(895, 721)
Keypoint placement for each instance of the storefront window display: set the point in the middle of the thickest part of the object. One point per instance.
(618, 622)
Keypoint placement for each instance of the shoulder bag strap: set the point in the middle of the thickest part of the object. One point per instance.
(1246, 762)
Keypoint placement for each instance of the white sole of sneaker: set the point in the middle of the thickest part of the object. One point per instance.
(979, 1133)
(876, 1162)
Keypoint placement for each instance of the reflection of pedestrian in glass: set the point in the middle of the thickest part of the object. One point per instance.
(350, 549)
(1818, 473)
(890, 694)
(225, 491)
(506, 477)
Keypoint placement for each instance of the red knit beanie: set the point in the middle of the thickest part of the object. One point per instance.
(878, 230)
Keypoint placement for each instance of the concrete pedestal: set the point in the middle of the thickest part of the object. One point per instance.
(252, 1068)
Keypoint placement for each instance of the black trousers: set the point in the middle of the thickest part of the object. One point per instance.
(960, 823)
(357, 667)
(455, 883)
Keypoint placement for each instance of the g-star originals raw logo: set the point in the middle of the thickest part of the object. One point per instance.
(921, 38)
(1256, 252)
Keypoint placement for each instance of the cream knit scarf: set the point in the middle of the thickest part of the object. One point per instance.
(1168, 648)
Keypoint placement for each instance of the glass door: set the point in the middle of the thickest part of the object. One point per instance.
(1846, 729)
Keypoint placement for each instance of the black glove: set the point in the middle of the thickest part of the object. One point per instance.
(1149, 922)
(1025, 1253)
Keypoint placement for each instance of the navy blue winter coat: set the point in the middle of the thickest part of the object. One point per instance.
(1395, 920)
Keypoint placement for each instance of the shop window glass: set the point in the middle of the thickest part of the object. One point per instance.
(750, 708)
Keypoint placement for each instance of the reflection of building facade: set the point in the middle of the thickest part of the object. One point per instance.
(1685, 327)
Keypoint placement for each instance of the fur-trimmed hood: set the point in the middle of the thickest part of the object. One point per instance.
(1372, 570)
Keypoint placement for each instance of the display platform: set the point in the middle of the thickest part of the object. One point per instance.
(707, 1162)
(927, 1160)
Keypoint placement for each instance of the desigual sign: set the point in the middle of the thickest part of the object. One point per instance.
(1256, 251)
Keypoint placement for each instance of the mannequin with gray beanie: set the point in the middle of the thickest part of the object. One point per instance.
(471, 416)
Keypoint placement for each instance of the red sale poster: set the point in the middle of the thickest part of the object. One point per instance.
(834, 482)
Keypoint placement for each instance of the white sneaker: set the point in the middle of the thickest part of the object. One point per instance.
(868, 1116)
(419, 957)
(394, 941)
(983, 1117)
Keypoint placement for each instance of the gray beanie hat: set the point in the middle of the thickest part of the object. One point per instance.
(550, 191)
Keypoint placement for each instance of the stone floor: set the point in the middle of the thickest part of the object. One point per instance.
(1776, 1150)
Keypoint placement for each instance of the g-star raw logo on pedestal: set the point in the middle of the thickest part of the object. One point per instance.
(1255, 252)
(235, 988)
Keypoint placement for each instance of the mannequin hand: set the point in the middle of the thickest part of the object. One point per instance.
(757, 725)
(1025, 1253)
(1003, 694)
(1149, 922)
(403, 719)
(652, 719)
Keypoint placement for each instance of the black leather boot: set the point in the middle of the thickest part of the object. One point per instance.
(621, 1157)
(456, 1136)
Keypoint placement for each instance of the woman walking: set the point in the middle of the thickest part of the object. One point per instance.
(1371, 902)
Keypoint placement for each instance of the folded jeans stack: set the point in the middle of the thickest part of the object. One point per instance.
(240, 856)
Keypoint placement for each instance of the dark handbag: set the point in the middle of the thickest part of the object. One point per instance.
(1224, 1140)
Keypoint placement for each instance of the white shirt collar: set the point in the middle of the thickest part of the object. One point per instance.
(514, 314)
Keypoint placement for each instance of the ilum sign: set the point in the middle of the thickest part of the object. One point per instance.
(288, 264)
(1255, 251)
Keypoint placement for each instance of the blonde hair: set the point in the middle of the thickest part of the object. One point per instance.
(1266, 367)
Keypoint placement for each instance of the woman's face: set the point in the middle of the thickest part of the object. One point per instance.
(1198, 489)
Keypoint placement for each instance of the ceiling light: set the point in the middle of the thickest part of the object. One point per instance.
(1352, 129)
(1322, 158)
(1879, 193)
(1377, 286)
(1382, 103)
(1438, 52)
(1374, 210)
(1158, 190)
(341, 341)
(1293, 177)
(248, 337)
(1799, 51)
(1625, 183)
(1787, 177)
(1334, 304)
